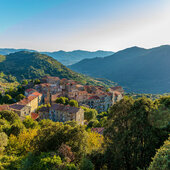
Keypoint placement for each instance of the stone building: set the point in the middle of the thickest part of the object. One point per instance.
(21, 110)
(33, 100)
(62, 113)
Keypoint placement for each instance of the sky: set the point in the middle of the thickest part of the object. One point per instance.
(52, 25)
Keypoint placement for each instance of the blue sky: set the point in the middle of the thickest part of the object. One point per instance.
(51, 25)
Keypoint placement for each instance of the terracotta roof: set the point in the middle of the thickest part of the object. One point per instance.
(17, 106)
(28, 99)
(64, 108)
(45, 84)
(117, 93)
(35, 94)
(4, 107)
(98, 130)
(30, 90)
(34, 116)
(94, 97)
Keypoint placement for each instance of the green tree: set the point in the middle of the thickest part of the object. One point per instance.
(19, 97)
(7, 99)
(3, 142)
(62, 100)
(86, 164)
(9, 116)
(89, 114)
(30, 123)
(24, 82)
(73, 103)
(131, 138)
(161, 159)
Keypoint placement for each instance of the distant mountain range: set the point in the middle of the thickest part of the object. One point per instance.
(137, 69)
(66, 58)
(30, 65)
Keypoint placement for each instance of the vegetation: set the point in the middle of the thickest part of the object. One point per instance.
(32, 65)
(161, 159)
(66, 101)
(132, 135)
(12, 95)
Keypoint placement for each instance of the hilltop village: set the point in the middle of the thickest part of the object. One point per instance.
(51, 88)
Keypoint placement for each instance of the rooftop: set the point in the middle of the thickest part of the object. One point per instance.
(17, 106)
(4, 107)
(64, 108)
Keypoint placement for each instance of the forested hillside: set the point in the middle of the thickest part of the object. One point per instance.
(31, 65)
(137, 69)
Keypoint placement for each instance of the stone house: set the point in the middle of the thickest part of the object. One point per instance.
(33, 100)
(62, 113)
(51, 80)
(21, 110)
(44, 113)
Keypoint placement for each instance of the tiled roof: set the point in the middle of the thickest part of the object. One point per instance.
(94, 97)
(34, 116)
(4, 107)
(64, 108)
(30, 90)
(35, 94)
(29, 98)
(17, 106)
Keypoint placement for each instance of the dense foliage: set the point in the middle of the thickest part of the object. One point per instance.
(132, 135)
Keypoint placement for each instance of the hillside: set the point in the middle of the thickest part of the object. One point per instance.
(138, 70)
(31, 65)
(66, 58)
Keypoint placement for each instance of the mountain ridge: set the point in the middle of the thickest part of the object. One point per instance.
(31, 65)
(65, 57)
(137, 69)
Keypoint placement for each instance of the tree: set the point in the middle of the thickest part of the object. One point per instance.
(19, 97)
(3, 141)
(94, 142)
(65, 152)
(62, 100)
(9, 116)
(161, 158)
(89, 114)
(132, 140)
(93, 123)
(16, 128)
(86, 164)
(37, 81)
(22, 144)
(7, 99)
(73, 103)
(25, 82)
(30, 123)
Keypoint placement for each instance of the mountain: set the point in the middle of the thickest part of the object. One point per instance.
(66, 58)
(136, 69)
(6, 51)
(30, 65)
